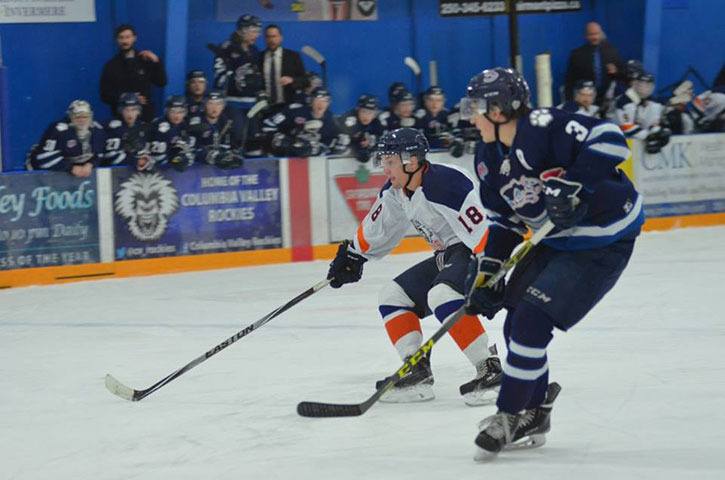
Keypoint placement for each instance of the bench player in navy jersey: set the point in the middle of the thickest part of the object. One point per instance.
(170, 142)
(74, 144)
(443, 204)
(535, 166)
(126, 137)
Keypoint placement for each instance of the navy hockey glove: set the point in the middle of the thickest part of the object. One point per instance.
(562, 204)
(347, 267)
(481, 300)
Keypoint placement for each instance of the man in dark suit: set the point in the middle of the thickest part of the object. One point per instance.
(597, 60)
(131, 71)
(283, 70)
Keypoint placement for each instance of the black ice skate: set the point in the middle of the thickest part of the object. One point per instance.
(496, 432)
(528, 429)
(535, 423)
(417, 386)
(483, 389)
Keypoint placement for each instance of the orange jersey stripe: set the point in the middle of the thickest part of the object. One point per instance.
(482, 244)
(628, 126)
(466, 330)
(401, 325)
(364, 245)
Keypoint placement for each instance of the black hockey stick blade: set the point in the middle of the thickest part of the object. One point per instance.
(317, 409)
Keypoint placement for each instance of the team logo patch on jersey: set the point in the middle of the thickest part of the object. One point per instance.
(522, 191)
(350, 121)
(540, 117)
(146, 201)
(164, 127)
(481, 170)
(71, 143)
(505, 167)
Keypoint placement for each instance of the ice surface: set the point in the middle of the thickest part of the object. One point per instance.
(643, 379)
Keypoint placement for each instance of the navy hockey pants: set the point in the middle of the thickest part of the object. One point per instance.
(550, 288)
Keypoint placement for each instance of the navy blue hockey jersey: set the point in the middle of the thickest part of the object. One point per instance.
(60, 147)
(124, 142)
(589, 150)
(165, 138)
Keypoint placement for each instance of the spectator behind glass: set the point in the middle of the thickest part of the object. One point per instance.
(597, 60)
(131, 71)
(73, 144)
(282, 69)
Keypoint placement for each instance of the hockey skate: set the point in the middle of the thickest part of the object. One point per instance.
(528, 429)
(483, 390)
(417, 386)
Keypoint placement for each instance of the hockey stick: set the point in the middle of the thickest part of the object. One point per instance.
(412, 64)
(256, 108)
(319, 59)
(317, 409)
(127, 393)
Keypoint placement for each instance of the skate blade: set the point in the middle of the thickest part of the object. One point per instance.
(483, 456)
(479, 398)
(414, 394)
(532, 441)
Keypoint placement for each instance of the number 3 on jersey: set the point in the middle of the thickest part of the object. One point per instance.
(474, 216)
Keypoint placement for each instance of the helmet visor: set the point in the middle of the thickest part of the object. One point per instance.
(473, 106)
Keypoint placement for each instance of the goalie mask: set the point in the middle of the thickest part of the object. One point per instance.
(80, 115)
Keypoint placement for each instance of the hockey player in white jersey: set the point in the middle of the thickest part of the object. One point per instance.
(639, 116)
(443, 204)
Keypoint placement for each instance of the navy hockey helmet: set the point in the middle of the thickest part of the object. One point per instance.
(367, 101)
(585, 85)
(633, 69)
(394, 90)
(500, 87)
(215, 96)
(319, 92)
(434, 91)
(128, 99)
(644, 84)
(402, 96)
(175, 101)
(248, 21)
(194, 74)
(406, 142)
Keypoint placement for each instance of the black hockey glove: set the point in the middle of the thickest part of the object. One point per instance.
(481, 300)
(562, 204)
(347, 267)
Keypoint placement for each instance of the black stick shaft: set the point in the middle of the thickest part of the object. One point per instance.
(140, 394)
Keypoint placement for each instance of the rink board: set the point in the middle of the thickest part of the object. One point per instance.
(283, 210)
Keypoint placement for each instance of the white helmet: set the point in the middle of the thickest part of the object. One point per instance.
(79, 107)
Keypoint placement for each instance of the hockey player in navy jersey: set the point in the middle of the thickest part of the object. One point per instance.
(126, 136)
(74, 144)
(360, 128)
(585, 92)
(196, 86)
(236, 64)
(535, 166)
(443, 204)
(170, 143)
(432, 119)
(219, 135)
(303, 130)
(401, 111)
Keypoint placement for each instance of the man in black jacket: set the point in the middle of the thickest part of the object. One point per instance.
(283, 70)
(597, 60)
(131, 71)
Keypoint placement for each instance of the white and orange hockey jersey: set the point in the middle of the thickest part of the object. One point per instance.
(446, 209)
(636, 117)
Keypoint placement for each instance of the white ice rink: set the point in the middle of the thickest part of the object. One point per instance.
(643, 379)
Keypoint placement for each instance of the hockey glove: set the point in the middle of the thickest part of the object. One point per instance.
(562, 204)
(347, 267)
(481, 300)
